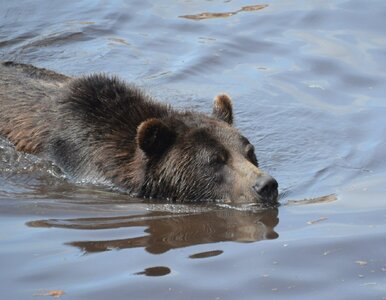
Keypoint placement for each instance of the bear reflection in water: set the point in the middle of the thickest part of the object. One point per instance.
(102, 130)
(165, 231)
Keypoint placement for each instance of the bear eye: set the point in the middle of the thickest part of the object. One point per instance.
(217, 159)
(251, 155)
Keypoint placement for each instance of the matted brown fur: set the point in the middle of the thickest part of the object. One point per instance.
(100, 129)
(26, 123)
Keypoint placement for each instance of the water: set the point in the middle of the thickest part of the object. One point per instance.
(308, 84)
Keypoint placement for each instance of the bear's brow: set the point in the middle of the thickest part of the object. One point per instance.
(205, 138)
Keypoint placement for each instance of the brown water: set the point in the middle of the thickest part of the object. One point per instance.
(308, 79)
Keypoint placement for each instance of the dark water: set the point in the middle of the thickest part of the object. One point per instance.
(308, 80)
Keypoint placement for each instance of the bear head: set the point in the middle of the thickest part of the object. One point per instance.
(194, 157)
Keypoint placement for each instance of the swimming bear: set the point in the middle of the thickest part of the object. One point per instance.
(100, 129)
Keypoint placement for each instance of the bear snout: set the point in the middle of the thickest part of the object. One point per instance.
(267, 188)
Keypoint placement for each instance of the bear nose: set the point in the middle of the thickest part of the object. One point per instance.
(266, 187)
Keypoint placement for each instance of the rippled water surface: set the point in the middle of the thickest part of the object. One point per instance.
(308, 81)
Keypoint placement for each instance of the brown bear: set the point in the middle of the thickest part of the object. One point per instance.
(99, 129)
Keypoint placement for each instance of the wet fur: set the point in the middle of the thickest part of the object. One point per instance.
(98, 128)
(88, 126)
(22, 121)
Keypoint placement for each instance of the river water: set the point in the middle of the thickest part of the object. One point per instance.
(308, 82)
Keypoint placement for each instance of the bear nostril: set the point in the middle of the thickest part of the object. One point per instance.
(266, 187)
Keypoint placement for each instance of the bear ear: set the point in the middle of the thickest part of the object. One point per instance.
(222, 108)
(154, 137)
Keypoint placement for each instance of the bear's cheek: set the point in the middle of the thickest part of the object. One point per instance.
(224, 180)
(220, 177)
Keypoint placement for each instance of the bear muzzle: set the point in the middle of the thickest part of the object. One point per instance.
(250, 184)
(267, 188)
